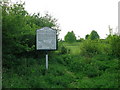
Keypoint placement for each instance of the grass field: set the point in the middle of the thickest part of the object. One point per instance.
(73, 47)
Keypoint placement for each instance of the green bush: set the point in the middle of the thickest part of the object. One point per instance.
(86, 82)
(76, 65)
(105, 48)
(7, 61)
(90, 48)
(63, 50)
(13, 80)
(91, 70)
(57, 59)
(102, 57)
(107, 80)
(67, 59)
(80, 40)
(115, 45)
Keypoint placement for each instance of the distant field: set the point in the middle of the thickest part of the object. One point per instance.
(73, 47)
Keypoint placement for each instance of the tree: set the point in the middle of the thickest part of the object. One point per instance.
(18, 28)
(114, 41)
(70, 37)
(94, 35)
(86, 37)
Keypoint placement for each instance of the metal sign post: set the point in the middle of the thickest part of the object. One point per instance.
(46, 60)
(46, 40)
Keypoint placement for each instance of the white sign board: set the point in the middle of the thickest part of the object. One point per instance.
(46, 39)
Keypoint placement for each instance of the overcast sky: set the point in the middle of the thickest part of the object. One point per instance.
(81, 16)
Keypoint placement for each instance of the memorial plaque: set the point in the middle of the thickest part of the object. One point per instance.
(46, 39)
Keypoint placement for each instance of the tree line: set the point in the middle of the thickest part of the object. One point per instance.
(70, 36)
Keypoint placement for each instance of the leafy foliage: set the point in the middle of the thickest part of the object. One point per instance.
(93, 35)
(70, 37)
(80, 40)
(63, 50)
(90, 48)
(65, 71)
(19, 28)
(86, 37)
(115, 45)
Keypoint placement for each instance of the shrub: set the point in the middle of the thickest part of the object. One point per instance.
(80, 40)
(91, 70)
(102, 57)
(90, 48)
(14, 81)
(105, 48)
(77, 64)
(86, 82)
(63, 50)
(107, 80)
(8, 61)
(57, 59)
(67, 58)
(115, 45)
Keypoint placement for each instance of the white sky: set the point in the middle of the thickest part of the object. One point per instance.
(81, 16)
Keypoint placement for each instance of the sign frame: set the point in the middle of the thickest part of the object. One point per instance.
(47, 49)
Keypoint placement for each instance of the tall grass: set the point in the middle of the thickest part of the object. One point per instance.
(69, 70)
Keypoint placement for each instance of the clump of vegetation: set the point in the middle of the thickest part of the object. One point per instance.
(80, 40)
(86, 37)
(63, 50)
(115, 45)
(90, 48)
(93, 35)
(70, 37)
